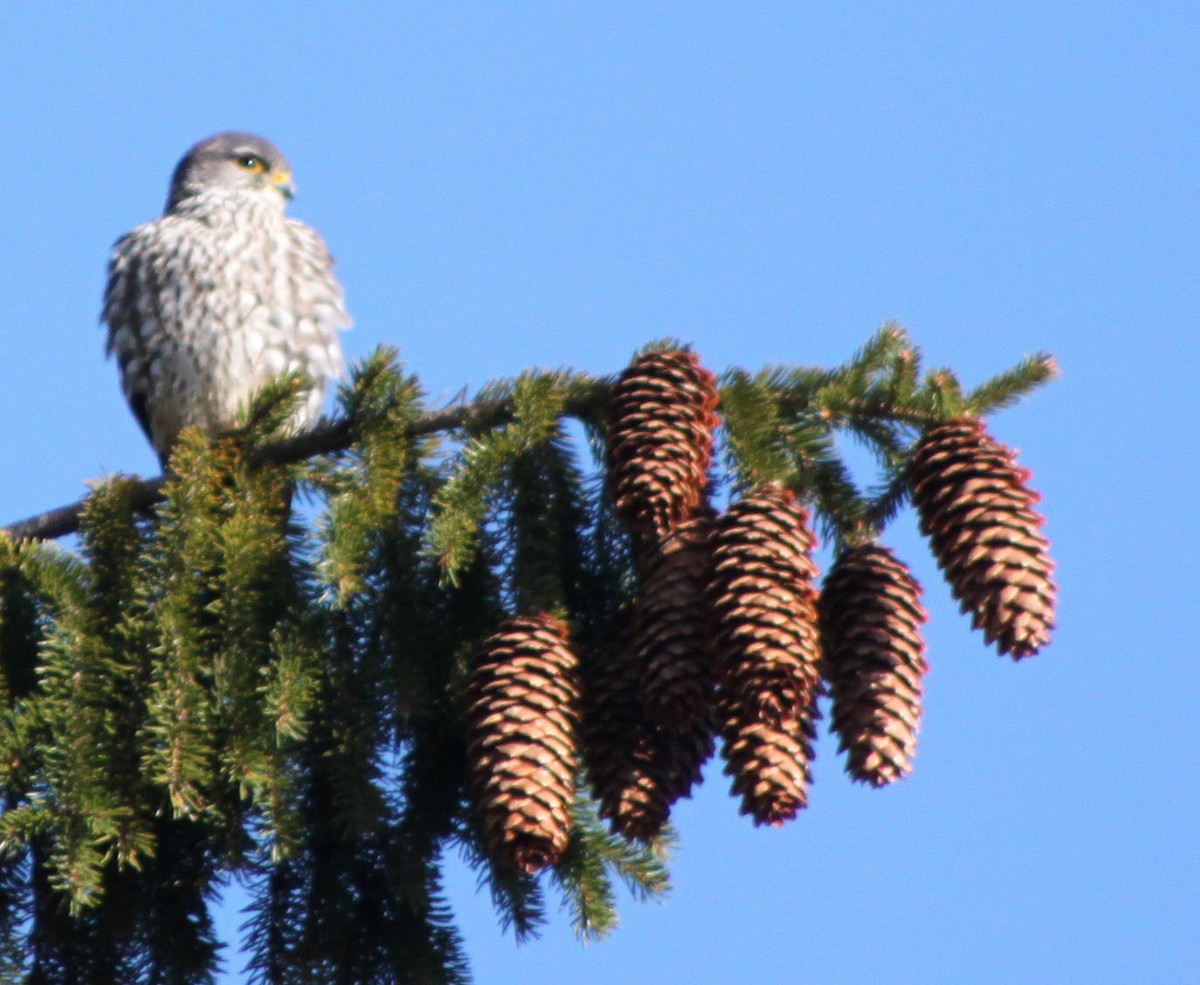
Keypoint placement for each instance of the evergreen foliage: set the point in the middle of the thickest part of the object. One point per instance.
(263, 676)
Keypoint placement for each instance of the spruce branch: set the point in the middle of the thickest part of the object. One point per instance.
(754, 430)
(210, 683)
(894, 395)
(593, 857)
(877, 358)
(888, 501)
(516, 896)
(331, 436)
(1006, 389)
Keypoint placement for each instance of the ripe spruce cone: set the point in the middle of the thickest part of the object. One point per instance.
(521, 720)
(637, 770)
(871, 618)
(660, 439)
(762, 599)
(977, 510)
(763, 608)
(670, 633)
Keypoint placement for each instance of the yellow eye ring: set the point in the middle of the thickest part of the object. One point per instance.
(251, 162)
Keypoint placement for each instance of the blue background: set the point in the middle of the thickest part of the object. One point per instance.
(507, 185)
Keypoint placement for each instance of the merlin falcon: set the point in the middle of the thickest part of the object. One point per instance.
(222, 294)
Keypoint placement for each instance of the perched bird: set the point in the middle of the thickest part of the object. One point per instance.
(222, 294)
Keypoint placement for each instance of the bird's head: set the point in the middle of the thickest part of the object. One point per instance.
(233, 162)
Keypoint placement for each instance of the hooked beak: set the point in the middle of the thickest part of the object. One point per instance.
(282, 180)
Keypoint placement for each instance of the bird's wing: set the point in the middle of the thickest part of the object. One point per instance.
(125, 313)
(322, 297)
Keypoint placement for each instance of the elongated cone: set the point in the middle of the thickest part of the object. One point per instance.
(976, 508)
(762, 600)
(637, 770)
(670, 632)
(660, 440)
(522, 714)
(871, 617)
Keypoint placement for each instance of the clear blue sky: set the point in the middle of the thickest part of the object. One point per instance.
(507, 185)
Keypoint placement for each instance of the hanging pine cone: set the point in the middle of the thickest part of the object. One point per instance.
(660, 439)
(762, 601)
(871, 618)
(670, 626)
(977, 510)
(522, 700)
(637, 770)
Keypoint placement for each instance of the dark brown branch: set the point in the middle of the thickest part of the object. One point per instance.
(65, 519)
(329, 437)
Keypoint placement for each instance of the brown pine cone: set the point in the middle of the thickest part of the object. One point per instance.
(522, 712)
(871, 618)
(660, 440)
(637, 770)
(670, 632)
(762, 601)
(976, 508)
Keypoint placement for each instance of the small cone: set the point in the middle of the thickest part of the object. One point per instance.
(670, 633)
(762, 600)
(977, 510)
(871, 618)
(660, 440)
(522, 700)
(637, 770)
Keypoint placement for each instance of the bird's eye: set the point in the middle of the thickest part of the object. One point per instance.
(252, 162)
